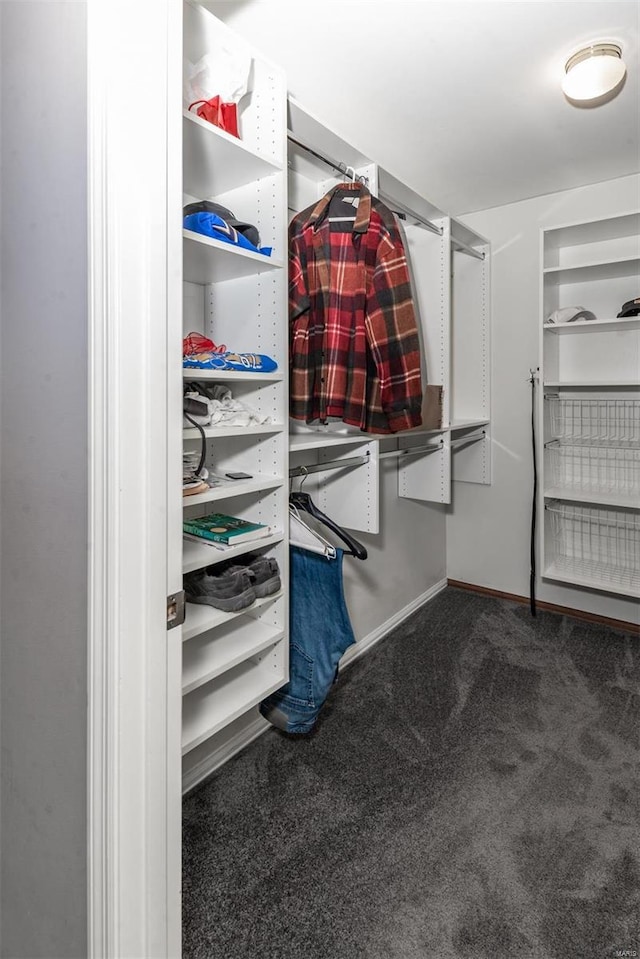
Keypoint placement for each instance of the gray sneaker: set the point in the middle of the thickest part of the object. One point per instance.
(230, 591)
(265, 570)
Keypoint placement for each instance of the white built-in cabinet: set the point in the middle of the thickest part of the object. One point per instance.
(230, 662)
(238, 298)
(589, 447)
(450, 272)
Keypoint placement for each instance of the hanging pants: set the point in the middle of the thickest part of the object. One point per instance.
(320, 632)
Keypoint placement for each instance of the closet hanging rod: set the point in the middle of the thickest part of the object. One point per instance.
(465, 248)
(330, 465)
(334, 164)
(342, 168)
(412, 213)
(410, 451)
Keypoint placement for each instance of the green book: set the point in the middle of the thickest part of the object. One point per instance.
(219, 528)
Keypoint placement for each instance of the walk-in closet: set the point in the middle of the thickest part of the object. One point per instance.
(320, 540)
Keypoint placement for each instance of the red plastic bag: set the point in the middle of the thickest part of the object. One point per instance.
(223, 115)
(197, 343)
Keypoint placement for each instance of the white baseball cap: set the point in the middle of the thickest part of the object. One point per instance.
(569, 314)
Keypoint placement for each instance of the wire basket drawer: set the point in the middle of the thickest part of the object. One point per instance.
(592, 468)
(596, 546)
(595, 419)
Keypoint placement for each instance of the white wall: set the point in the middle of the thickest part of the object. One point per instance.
(488, 527)
(43, 533)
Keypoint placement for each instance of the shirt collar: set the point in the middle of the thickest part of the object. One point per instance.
(363, 214)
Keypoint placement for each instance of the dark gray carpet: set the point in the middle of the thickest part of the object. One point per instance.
(471, 792)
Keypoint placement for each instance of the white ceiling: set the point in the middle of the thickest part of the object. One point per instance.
(461, 100)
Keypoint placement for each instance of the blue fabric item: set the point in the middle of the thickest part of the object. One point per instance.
(243, 362)
(320, 632)
(210, 224)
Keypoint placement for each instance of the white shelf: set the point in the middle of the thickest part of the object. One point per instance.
(198, 555)
(210, 708)
(603, 498)
(214, 432)
(593, 384)
(230, 376)
(620, 325)
(234, 488)
(200, 619)
(213, 156)
(594, 575)
(211, 261)
(209, 656)
(308, 441)
(466, 424)
(596, 270)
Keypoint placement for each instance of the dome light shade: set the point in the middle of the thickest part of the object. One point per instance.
(593, 72)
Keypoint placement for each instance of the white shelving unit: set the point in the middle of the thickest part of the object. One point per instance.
(590, 407)
(237, 298)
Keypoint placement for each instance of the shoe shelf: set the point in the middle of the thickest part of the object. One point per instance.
(210, 153)
(593, 384)
(200, 619)
(211, 707)
(235, 488)
(466, 424)
(212, 261)
(617, 325)
(589, 411)
(229, 376)
(198, 555)
(232, 660)
(214, 432)
(613, 269)
(313, 441)
(212, 654)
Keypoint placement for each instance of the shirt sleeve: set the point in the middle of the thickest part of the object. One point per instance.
(393, 338)
(299, 301)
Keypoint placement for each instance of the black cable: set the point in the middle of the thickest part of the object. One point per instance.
(203, 451)
(534, 506)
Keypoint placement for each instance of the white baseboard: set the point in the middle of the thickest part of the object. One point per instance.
(256, 725)
(365, 644)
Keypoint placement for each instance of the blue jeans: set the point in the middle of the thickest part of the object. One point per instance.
(320, 632)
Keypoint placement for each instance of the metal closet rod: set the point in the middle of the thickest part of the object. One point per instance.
(329, 465)
(334, 164)
(465, 248)
(412, 213)
(410, 451)
(342, 168)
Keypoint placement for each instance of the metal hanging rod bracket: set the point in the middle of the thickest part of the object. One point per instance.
(465, 248)
(351, 461)
(410, 451)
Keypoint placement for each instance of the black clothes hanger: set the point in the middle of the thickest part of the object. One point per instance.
(304, 501)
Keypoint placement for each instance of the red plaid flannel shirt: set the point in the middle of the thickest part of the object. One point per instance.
(355, 350)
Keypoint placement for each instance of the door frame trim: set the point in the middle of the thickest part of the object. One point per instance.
(133, 50)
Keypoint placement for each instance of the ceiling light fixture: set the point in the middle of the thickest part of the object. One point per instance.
(594, 73)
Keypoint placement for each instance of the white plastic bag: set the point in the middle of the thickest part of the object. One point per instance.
(224, 71)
